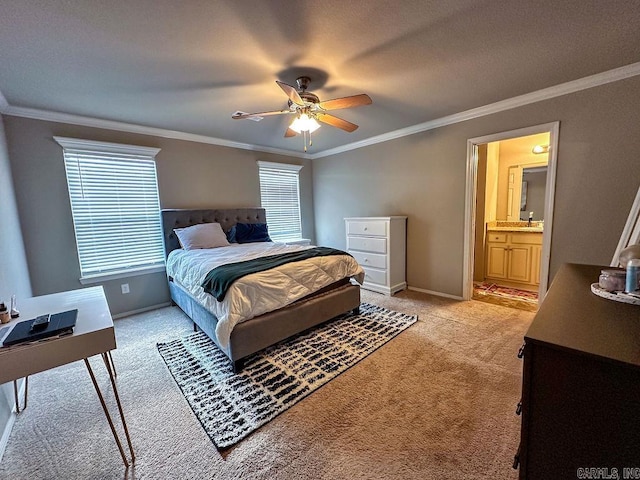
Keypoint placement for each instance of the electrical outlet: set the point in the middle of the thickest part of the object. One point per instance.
(125, 288)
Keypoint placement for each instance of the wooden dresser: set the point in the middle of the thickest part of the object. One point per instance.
(379, 245)
(580, 401)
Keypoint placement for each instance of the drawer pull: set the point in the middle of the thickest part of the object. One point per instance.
(521, 351)
(516, 458)
(365, 229)
(519, 408)
(366, 260)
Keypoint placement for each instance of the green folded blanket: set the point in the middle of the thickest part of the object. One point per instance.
(218, 280)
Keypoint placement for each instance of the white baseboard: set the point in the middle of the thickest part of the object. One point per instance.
(437, 294)
(141, 310)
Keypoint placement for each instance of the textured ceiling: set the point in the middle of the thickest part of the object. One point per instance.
(188, 65)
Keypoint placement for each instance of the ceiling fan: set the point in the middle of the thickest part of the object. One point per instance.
(308, 110)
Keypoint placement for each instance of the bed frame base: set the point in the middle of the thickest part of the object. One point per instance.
(260, 332)
(238, 365)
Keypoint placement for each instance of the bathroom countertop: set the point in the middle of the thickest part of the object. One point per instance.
(516, 229)
(508, 226)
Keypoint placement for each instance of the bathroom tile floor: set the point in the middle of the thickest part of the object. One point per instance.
(505, 296)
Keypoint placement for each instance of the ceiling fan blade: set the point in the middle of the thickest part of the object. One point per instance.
(241, 115)
(336, 122)
(346, 102)
(289, 133)
(292, 93)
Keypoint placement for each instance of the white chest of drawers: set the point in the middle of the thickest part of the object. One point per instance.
(379, 245)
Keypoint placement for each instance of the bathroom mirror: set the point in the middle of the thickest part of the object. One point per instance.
(534, 182)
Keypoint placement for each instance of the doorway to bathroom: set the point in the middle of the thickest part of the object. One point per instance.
(508, 215)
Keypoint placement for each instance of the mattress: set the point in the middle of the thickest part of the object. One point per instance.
(261, 292)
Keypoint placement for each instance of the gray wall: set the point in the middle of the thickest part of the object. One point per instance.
(190, 175)
(423, 176)
(14, 275)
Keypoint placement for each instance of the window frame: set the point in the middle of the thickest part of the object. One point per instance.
(144, 154)
(283, 167)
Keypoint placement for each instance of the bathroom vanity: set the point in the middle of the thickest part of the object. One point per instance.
(512, 254)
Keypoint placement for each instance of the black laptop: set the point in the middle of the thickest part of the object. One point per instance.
(58, 324)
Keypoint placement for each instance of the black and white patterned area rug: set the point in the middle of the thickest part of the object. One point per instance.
(230, 406)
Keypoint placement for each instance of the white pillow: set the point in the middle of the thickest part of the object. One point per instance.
(203, 235)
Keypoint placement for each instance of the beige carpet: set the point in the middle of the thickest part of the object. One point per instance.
(437, 402)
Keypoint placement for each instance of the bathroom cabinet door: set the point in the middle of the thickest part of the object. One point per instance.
(519, 269)
(536, 253)
(497, 261)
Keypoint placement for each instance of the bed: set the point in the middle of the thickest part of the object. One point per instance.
(253, 334)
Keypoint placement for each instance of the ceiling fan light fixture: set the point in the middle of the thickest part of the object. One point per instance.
(304, 123)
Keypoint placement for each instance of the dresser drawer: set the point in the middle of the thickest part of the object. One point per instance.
(367, 227)
(372, 275)
(497, 237)
(367, 244)
(526, 238)
(370, 259)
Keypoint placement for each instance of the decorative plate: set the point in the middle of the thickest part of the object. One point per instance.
(616, 296)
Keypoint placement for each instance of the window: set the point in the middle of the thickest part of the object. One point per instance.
(280, 197)
(116, 211)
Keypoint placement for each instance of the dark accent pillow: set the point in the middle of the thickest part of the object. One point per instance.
(251, 232)
(231, 235)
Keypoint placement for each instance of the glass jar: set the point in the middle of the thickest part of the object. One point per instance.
(4, 313)
(612, 279)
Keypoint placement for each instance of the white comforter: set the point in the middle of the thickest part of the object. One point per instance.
(260, 292)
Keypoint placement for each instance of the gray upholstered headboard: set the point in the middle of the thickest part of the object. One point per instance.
(226, 217)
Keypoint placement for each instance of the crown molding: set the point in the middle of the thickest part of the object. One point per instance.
(573, 86)
(566, 88)
(50, 116)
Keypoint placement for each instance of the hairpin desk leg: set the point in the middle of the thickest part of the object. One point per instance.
(113, 365)
(105, 358)
(15, 393)
(106, 412)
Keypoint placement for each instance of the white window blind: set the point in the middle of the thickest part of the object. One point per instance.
(116, 210)
(280, 197)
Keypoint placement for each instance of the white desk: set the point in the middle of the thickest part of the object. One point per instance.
(92, 335)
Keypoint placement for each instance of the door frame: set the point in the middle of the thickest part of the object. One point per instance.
(553, 129)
